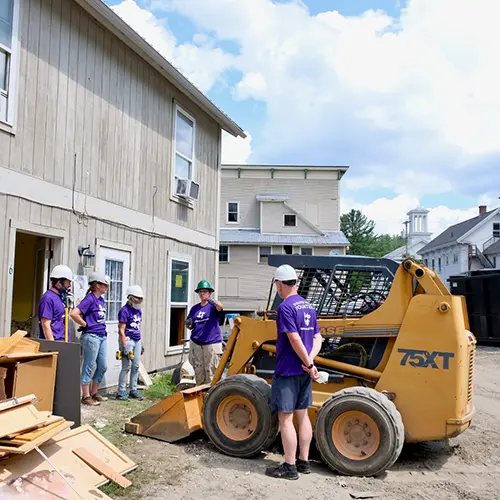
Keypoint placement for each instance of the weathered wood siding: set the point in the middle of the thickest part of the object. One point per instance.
(316, 197)
(273, 220)
(149, 266)
(91, 115)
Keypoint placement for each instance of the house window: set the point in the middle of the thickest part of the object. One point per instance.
(496, 230)
(306, 251)
(114, 295)
(288, 249)
(289, 220)
(179, 298)
(223, 253)
(184, 145)
(233, 209)
(8, 52)
(264, 253)
(455, 258)
(433, 266)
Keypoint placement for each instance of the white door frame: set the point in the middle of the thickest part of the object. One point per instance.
(183, 258)
(60, 238)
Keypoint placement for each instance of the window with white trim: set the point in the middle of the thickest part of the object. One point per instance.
(289, 220)
(233, 212)
(496, 230)
(306, 251)
(8, 49)
(179, 300)
(184, 145)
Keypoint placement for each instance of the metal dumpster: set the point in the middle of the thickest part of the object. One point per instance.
(481, 290)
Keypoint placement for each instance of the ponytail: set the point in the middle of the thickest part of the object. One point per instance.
(92, 287)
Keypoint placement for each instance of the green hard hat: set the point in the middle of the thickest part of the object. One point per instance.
(204, 285)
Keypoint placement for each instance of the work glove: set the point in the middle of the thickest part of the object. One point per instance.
(189, 323)
(126, 349)
(212, 301)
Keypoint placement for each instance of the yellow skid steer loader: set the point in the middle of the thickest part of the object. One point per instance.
(399, 356)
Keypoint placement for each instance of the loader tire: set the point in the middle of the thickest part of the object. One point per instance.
(359, 432)
(237, 416)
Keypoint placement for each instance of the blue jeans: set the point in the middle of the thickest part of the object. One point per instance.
(94, 358)
(136, 346)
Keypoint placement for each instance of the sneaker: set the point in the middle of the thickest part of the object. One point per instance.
(122, 396)
(283, 471)
(303, 466)
(90, 401)
(135, 395)
(97, 397)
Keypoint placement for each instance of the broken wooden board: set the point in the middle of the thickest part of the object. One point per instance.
(13, 402)
(10, 342)
(49, 485)
(87, 437)
(99, 466)
(27, 446)
(144, 375)
(24, 346)
(21, 418)
(21, 438)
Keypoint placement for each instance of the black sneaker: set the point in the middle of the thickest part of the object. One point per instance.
(283, 471)
(303, 466)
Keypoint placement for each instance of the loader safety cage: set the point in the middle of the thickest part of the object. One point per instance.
(339, 286)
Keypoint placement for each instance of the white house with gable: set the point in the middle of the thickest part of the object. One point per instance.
(467, 246)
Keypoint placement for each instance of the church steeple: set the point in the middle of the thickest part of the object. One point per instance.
(418, 229)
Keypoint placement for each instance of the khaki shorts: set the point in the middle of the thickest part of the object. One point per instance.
(204, 360)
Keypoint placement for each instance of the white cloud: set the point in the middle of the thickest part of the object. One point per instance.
(235, 149)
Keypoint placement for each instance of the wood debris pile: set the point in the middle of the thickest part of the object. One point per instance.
(41, 455)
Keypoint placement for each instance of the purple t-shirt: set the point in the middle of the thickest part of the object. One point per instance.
(295, 314)
(51, 307)
(132, 319)
(206, 328)
(94, 314)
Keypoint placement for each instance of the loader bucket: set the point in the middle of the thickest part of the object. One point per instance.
(173, 418)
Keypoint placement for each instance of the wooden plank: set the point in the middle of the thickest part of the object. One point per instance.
(88, 437)
(99, 466)
(144, 375)
(13, 402)
(25, 346)
(22, 438)
(43, 438)
(11, 341)
(21, 418)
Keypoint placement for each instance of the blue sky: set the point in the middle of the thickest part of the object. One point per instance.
(401, 91)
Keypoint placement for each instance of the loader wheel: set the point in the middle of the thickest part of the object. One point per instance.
(237, 416)
(359, 432)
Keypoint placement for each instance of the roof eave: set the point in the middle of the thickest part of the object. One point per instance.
(462, 238)
(340, 168)
(116, 25)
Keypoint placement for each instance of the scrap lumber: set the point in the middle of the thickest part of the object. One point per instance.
(13, 402)
(21, 418)
(22, 437)
(99, 466)
(10, 342)
(144, 375)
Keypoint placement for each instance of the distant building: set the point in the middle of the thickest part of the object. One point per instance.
(273, 209)
(467, 246)
(418, 236)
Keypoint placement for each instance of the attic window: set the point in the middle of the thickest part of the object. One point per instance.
(290, 220)
(496, 230)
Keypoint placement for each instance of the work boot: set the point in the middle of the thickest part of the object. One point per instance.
(122, 396)
(97, 397)
(90, 401)
(135, 395)
(303, 466)
(283, 471)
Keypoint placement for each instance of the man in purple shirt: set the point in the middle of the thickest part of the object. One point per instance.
(206, 337)
(298, 343)
(52, 305)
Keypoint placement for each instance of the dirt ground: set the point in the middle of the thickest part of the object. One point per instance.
(464, 468)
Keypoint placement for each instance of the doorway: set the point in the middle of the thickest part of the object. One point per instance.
(116, 265)
(33, 260)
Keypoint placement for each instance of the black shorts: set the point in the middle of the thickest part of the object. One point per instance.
(291, 393)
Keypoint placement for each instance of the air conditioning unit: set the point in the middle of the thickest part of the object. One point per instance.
(187, 189)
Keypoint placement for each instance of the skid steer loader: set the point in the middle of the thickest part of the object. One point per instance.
(398, 354)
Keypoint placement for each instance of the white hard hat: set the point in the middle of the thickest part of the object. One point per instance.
(136, 291)
(99, 277)
(285, 273)
(61, 272)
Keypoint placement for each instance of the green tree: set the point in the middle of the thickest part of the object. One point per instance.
(360, 231)
(386, 243)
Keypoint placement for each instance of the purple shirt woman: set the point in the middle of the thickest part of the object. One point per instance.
(91, 316)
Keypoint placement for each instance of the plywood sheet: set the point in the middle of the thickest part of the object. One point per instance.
(10, 342)
(51, 423)
(12, 402)
(21, 418)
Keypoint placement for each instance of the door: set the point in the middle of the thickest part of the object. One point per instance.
(116, 265)
(42, 282)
